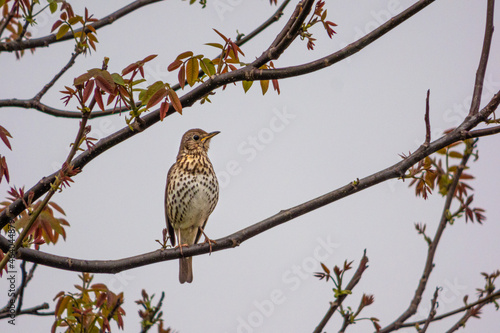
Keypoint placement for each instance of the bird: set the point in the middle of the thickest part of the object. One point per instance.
(191, 194)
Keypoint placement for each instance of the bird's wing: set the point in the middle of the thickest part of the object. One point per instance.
(170, 229)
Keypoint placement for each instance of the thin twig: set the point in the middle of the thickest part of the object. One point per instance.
(8, 18)
(484, 300)
(31, 311)
(483, 62)
(427, 121)
(63, 70)
(432, 312)
(461, 322)
(37, 105)
(484, 132)
(431, 252)
(363, 265)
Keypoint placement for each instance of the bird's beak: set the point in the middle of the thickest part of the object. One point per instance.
(209, 136)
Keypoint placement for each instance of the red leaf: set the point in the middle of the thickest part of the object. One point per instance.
(4, 135)
(223, 37)
(173, 66)
(156, 98)
(88, 90)
(182, 76)
(163, 110)
(176, 103)
(98, 98)
(276, 86)
(149, 58)
(130, 68)
(56, 25)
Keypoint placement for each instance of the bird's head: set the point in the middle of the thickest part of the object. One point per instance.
(195, 141)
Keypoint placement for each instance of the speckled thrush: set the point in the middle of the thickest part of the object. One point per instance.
(191, 195)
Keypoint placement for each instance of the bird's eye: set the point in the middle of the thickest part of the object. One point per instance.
(196, 137)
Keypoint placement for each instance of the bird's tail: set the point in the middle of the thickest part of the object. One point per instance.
(186, 270)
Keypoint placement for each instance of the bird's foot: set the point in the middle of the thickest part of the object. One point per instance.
(208, 240)
(180, 247)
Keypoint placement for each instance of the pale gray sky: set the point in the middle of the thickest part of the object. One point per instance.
(324, 130)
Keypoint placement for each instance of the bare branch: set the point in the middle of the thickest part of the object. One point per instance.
(363, 265)
(478, 84)
(287, 34)
(432, 312)
(484, 132)
(484, 300)
(280, 73)
(63, 70)
(37, 105)
(427, 121)
(431, 252)
(31, 311)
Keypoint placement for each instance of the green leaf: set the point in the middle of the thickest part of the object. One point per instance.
(136, 82)
(82, 79)
(118, 79)
(192, 68)
(207, 66)
(52, 7)
(247, 85)
(75, 19)
(152, 89)
(62, 31)
(264, 84)
(217, 45)
(455, 154)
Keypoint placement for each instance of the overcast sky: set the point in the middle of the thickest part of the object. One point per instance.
(275, 151)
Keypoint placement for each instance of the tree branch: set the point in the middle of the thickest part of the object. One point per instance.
(363, 265)
(483, 300)
(427, 121)
(31, 311)
(191, 97)
(51, 39)
(478, 84)
(484, 132)
(34, 103)
(285, 72)
(114, 266)
(432, 312)
(431, 252)
(63, 70)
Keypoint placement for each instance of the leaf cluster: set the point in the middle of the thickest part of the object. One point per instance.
(319, 15)
(85, 38)
(4, 170)
(150, 314)
(350, 316)
(46, 229)
(437, 171)
(122, 90)
(90, 309)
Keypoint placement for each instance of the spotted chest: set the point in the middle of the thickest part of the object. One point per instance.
(192, 192)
